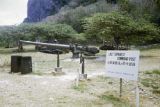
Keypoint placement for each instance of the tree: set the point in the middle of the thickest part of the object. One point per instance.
(118, 28)
(61, 32)
(6, 36)
(75, 16)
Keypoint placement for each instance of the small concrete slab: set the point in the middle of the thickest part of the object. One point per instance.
(58, 69)
(82, 76)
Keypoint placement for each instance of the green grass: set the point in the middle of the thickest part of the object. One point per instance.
(153, 72)
(156, 46)
(28, 48)
(116, 101)
(7, 50)
(81, 87)
(110, 98)
(152, 81)
(103, 79)
(156, 91)
(147, 82)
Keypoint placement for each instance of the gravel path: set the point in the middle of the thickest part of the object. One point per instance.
(46, 90)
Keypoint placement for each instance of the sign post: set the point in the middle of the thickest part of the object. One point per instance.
(124, 65)
(137, 94)
(120, 91)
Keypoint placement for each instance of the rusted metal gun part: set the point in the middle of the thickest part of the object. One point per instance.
(45, 44)
(108, 47)
(75, 49)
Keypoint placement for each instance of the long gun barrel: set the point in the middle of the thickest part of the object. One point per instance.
(74, 48)
(45, 44)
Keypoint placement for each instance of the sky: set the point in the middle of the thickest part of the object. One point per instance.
(12, 12)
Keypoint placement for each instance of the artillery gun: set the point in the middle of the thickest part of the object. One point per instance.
(111, 46)
(59, 48)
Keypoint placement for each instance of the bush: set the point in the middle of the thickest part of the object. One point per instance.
(74, 17)
(119, 29)
(9, 36)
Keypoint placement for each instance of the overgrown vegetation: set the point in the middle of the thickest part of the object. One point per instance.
(116, 101)
(82, 86)
(10, 36)
(152, 81)
(75, 16)
(119, 28)
(125, 22)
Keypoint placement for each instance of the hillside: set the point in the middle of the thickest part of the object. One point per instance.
(126, 22)
(40, 9)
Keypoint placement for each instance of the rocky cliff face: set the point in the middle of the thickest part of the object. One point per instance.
(40, 9)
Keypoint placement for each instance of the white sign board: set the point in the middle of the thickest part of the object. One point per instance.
(122, 64)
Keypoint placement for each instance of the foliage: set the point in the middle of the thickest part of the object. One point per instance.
(119, 28)
(61, 32)
(84, 2)
(82, 87)
(9, 36)
(133, 24)
(75, 3)
(113, 99)
(151, 80)
(74, 17)
(156, 72)
(6, 36)
(146, 9)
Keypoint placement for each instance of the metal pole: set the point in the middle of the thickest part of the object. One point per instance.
(120, 88)
(83, 65)
(58, 62)
(81, 58)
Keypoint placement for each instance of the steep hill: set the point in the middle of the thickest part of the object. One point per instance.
(39, 9)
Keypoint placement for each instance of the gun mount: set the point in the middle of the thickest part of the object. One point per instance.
(112, 46)
(75, 49)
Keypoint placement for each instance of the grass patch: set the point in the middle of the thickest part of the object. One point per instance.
(153, 72)
(102, 79)
(116, 101)
(152, 81)
(156, 91)
(144, 48)
(81, 87)
(15, 50)
(110, 98)
(7, 50)
(147, 82)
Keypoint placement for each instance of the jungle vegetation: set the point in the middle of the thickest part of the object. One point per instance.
(131, 22)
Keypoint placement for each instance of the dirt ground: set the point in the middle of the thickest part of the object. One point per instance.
(43, 89)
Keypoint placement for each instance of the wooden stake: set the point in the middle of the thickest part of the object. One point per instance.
(120, 87)
(137, 94)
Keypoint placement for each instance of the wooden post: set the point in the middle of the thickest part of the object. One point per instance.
(20, 47)
(81, 55)
(58, 62)
(58, 68)
(82, 76)
(120, 87)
